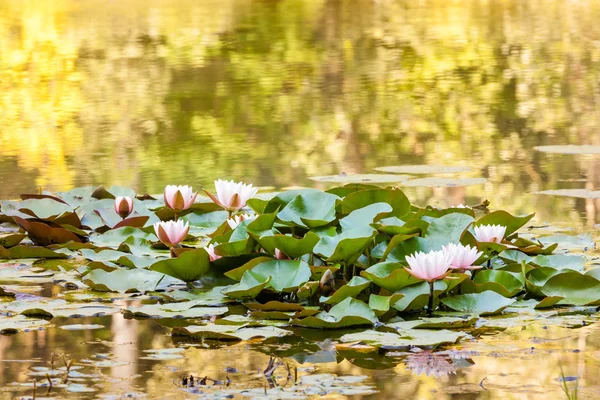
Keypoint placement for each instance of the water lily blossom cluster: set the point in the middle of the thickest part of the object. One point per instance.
(232, 196)
(171, 233)
(490, 233)
(430, 266)
(462, 257)
(179, 198)
(123, 206)
(234, 221)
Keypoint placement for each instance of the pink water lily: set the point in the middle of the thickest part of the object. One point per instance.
(280, 255)
(171, 233)
(462, 257)
(232, 196)
(489, 233)
(179, 198)
(234, 221)
(210, 249)
(430, 266)
(123, 206)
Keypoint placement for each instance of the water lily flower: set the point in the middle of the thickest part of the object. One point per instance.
(462, 257)
(179, 198)
(123, 206)
(171, 233)
(234, 221)
(490, 233)
(430, 266)
(280, 255)
(232, 196)
(210, 249)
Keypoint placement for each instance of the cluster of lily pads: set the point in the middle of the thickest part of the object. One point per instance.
(355, 255)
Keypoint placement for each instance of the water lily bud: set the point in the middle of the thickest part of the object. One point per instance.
(327, 283)
(179, 198)
(171, 233)
(232, 196)
(123, 206)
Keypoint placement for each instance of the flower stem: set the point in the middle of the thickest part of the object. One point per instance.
(430, 304)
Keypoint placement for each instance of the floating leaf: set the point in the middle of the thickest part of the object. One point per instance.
(503, 218)
(417, 296)
(365, 215)
(483, 303)
(350, 289)
(229, 332)
(391, 276)
(18, 323)
(576, 288)
(248, 288)
(124, 280)
(444, 182)
(502, 282)
(286, 275)
(187, 309)
(382, 304)
(347, 246)
(361, 178)
(290, 246)
(22, 251)
(424, 169)
(581, 193)
(43, 234)
(403, 339)
(394, 197)
(11, 239)
(188, 267)
(350, 312)
(310, 210)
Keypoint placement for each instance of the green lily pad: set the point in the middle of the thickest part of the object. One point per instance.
(483, 303)
(115, 237)
(235, 243)
(188, 267)
(424, 169)
(127, 280)
(350, 289)
(391, 276)
(404, 339)
(365, 216)
(444, 182)
(286, 275)
(347, 246)
(23, 251)
(11, 239)
(580, 193)
(350, 312)
(416, 296)
(503, 218)
(393, 197)
(382, 304)
(46, 209)
(229, 332)
(248, 288)
(576, 288)
(290, 246)
(187, 309)
(561, 261)
(504, 283)
(49, 308)
(361, 178)
(310, 210)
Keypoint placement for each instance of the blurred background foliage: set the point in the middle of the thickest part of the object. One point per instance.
(148, 93)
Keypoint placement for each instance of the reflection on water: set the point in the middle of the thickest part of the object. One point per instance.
(145, 93)
(114, 361)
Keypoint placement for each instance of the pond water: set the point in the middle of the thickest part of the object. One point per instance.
(148, 93)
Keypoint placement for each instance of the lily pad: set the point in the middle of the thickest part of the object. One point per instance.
(18, 323)
(286, 275)
(229, 332)
(350, 289)
(391, 276)
(363, 198)
(404, 339)
(310, 210)
(365, 216)
(188, 267)
(347, 246)
(187, 309)
(483, 303)
(444, 182)
(576, 288)
(361, 178)
(350, 312)
(581, 193)
(382, 304)
(424, 169)
(124, 280)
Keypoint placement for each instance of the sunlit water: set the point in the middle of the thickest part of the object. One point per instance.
(147, 93)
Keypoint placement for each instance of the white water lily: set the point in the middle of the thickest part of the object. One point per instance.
(234, 221)
(232, 196)
(171, 233)
(490, 233)
(462, 257)
(430, 266)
